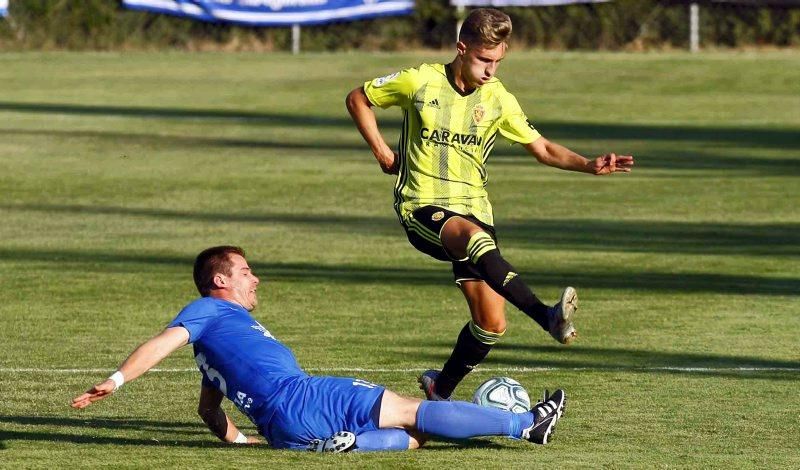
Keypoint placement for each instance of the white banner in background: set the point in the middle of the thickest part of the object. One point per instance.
(519, 3)
(275, 12)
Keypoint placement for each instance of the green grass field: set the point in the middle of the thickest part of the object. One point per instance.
(116, 169)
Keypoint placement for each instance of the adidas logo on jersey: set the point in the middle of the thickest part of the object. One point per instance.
(434, 103)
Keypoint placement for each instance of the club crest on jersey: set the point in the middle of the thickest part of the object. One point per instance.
(378, 82)
(437, 216)
(477, 113)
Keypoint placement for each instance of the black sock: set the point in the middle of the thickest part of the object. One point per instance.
(468, 352)
(503, 278)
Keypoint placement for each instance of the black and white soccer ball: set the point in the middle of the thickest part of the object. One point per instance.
(504, 393)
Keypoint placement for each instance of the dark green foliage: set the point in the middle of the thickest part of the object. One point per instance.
(623, 24)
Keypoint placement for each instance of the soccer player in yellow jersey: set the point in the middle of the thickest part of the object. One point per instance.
(452, 114)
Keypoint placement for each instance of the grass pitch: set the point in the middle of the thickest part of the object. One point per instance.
(118, 168)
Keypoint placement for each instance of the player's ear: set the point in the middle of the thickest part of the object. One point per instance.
(220, 281)
(461, 48)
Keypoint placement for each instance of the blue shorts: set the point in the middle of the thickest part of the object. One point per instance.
(318, 407)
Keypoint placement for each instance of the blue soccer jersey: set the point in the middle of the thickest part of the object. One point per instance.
(239, 357)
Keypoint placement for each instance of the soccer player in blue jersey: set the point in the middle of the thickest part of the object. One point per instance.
(239, 359)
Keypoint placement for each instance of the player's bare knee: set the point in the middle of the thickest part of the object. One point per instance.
(487, 336)
(493, 325)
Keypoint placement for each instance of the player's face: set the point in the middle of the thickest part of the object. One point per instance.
(479, 63)
(242, 283)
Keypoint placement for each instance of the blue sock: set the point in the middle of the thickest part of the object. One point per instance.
(460, 420)
(382, 439)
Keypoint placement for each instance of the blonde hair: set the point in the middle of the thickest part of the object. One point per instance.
(485, 27)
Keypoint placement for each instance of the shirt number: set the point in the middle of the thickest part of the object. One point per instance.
(211, 373)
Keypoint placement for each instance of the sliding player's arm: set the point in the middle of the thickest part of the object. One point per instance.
(360, 110)
(217, 420)
(142, 359)
(558, 156)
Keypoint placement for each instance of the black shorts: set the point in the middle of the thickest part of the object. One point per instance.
(424, 227)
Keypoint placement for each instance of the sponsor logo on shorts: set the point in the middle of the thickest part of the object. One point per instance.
(437, 216)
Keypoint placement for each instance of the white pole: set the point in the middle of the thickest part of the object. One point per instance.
(295, 39)
(694, 27)
(460, 19)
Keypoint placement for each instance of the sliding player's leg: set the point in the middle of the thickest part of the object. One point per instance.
(461, 420)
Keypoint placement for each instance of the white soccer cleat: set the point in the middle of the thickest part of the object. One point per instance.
(342, 441)
(560, 317)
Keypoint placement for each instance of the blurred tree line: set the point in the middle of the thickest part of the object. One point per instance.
(621, 24)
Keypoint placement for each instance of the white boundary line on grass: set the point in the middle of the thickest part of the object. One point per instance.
(33, 370)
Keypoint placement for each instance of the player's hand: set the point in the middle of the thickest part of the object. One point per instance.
(389, 162)
(611, 163)
(254, 440)
(98, 392)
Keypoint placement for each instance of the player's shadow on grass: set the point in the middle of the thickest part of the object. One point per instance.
(163, 432)
(512, 355)
(108, 423)
(436, 444)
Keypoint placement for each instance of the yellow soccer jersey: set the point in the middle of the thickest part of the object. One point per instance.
(447, 137)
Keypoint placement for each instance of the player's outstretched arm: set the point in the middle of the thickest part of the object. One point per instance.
(360, 110)
(142, 359)
(217, 421)
(558, 156)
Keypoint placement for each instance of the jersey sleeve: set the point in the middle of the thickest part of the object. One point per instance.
(514, 125)
(396, 89)
(196, 317)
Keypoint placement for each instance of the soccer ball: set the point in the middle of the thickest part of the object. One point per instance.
(504, 393)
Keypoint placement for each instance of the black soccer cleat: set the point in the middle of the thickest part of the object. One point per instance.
(557, 401)
(545, 416)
